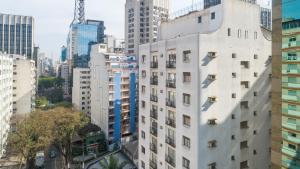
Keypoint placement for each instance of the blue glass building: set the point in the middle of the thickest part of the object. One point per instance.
(80, 39)
(63, 55)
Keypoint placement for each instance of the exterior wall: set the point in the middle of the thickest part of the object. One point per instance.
(142, 19)
(211, 78)
(6, 93)
(81, 90)
(16, 34)
(112, 83)
(289, 68)
(24, 86)
(65, 68)
(276, 86)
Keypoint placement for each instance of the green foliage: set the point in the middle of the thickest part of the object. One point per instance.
(51, 88)
(50, 82)
(112, 163)
(41, 102)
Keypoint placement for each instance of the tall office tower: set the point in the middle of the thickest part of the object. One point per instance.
(205, 91)
(286, 85)
(24, 87)
(142, 18)
(16, 34)
(63, 55)
(81, 90)
(6, 99)
(113, 94)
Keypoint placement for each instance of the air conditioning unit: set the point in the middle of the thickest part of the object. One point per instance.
(212, 54)
(212, 77)
(212, 99)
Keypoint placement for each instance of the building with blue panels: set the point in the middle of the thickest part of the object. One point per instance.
(113, 93)
(63, 55)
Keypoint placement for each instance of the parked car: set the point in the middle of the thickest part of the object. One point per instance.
(40, 159)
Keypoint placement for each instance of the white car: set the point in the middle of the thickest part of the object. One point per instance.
(40, 159)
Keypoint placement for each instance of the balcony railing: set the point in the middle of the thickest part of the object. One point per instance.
(171, 83)
(154, 80)
(153, 114)
(154, 64)
(153, 147)
(171, 64)
(153, 164)
(153, 131)
(153, 98)
(170, 141)
(171, 103)
(170, 160)
(170, 122)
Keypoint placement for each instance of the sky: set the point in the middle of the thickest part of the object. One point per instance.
(53, 17)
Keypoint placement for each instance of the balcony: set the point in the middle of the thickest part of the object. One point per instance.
(153, 98)
(170, 141)
(153, 114)
(153, 147)
(170, 122)
(171, 103)
(170, 160)
(171, 64)
(154, 80)
(171, 83)
(154, 65)
(153, 164)
(153, 131)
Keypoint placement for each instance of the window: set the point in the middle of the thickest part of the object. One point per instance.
(143, 164)
(143, 135)
(254, 132)
(232, 137)
(255, 74)
(233, 95)
(255, 35)
(255, 56)
(143, 104)
(245, 64)
(185, 163)
(212, 166)
(143, 73)
(244, 144)
(254, 113)
(199, 19)
(212, 144)
(229, 32)
(213, 15)
(186, 77)
(233, 75)
(143, 149)
(186, 55)
(143, 119)
(186, 142)
(143, 89)
(254, 152)
(232, 158)
(186, 99)
(255, 93)
(234, 55)
(233, 116)
(239, 33)
(244, 124)
(186, 120)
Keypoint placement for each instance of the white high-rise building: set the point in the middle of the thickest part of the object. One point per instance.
(24, 85)
(142, 18)
(205, 91)
(81, 90)
(113, 94)
(6, 98)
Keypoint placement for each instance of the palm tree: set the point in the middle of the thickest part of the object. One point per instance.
(112, 163)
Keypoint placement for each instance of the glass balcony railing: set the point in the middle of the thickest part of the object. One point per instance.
(170, 160)
(290, 71)
(291, 138)
(290, 98)
(291, 44)
(291, 126)
(290, 152)
(291, 112)
(291, 85)
(170, 141)
(292, 164)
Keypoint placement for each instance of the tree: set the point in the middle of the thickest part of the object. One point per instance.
(112, 163)
(33, 133)
(66, 122)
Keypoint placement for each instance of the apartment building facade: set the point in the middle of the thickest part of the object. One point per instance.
(24, 85)
(6, 98)
(142, 19)
(205, 91)
(285, 86)
(81, 90)
(16, 34)
(113, 94)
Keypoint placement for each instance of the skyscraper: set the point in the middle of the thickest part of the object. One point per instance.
(205, 91)
(16, 34)
(142, 18)
(286, 84)
(63, 55)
